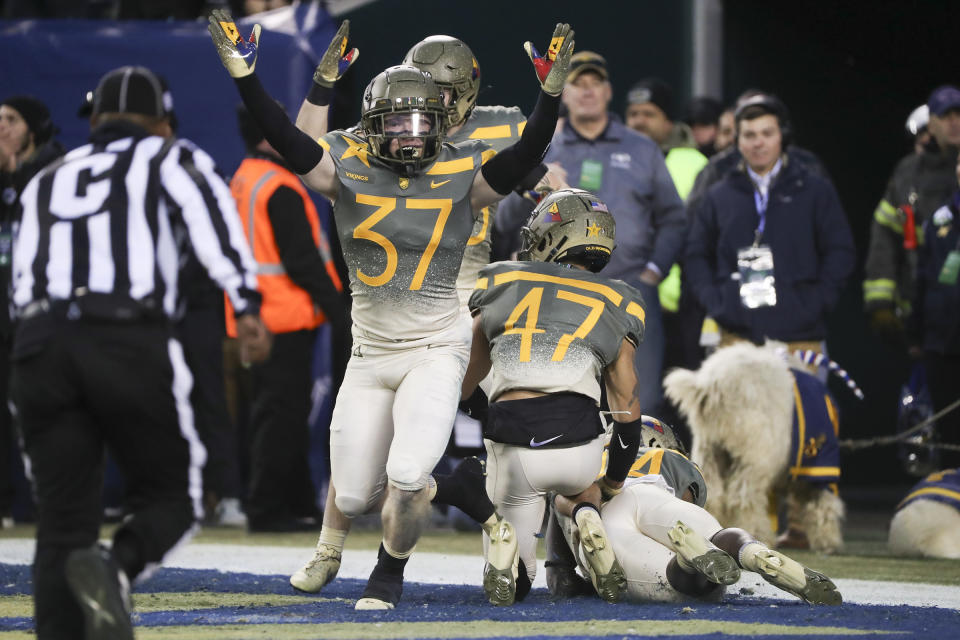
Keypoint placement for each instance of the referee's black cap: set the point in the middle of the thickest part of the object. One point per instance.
(133, 90)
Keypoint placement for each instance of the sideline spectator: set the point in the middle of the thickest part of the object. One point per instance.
(921, 182)
(703, 118)
(769, 249)
(26, 146)
(301, 291)
(936, 325)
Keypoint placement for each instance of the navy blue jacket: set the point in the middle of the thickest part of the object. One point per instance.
(813, 253)
(937, 307)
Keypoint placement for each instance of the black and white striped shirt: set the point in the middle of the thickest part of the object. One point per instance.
(111, 217)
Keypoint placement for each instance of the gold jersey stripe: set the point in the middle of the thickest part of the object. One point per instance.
(512, 276)
(498, 131)
(636, 310)
(486, 155)
(481, 283)
(446, 167)
(323, 143)
(521, 127)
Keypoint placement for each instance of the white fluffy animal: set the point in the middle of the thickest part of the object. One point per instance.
(740, 406)
(925, 526)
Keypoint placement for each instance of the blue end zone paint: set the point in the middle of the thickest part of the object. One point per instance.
(440, 603)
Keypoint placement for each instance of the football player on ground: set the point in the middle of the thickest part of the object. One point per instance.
(548, 329)
(672, 549)
(454, 68)
(395, 409)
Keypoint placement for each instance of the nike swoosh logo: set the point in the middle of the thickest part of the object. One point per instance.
(622, 445)
(534, 443)
(434, 185)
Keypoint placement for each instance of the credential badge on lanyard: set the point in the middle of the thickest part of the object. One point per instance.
(755, 264)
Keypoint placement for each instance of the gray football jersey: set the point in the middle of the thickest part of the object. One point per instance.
(403, 238)
(678, 471)
(499, 127)
(552, 328)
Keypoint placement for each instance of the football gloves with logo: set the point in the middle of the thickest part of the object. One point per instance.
(337, 59)
(553, 67)
(239, 56)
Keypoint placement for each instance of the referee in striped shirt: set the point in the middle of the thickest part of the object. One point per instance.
(95, 364)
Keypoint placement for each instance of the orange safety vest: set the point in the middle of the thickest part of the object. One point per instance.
(285, 307)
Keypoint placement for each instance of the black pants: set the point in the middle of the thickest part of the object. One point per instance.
(202, 331)
(79, 386)
(280, 483)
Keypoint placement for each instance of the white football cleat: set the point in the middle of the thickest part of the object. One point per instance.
(699, 554)
(503, 560)
(319, 571)
(791, 576)
(605, 571)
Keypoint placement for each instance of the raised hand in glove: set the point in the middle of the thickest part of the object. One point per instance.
(238, 55)
(336, 60)
(552, 68)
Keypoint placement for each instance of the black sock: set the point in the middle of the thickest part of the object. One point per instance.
(127, 550)
(465, 489)
(583, 505)
(624, 443)
(691, 584)
(389, 564)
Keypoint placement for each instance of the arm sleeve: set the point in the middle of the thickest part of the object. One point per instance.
(300, 151)
(213, 225)
(669, 217)
(506, 169)
(884, 252)
(301, 260)
(837, 252)
(700, 256)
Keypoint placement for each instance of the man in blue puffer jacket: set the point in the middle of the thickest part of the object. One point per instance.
(773, 223)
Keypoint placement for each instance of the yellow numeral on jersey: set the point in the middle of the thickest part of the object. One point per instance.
(530, 304)
(364, 231)
(653, 458)
(596, 310)
(444, 207)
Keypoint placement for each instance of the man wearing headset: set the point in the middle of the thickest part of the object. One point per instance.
(769, 248)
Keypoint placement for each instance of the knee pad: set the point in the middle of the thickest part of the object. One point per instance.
(351, 506)
(405, 474)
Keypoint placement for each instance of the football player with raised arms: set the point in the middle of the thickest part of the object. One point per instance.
(548, 330)
(455, 69)
(403, 204)
(670, 547)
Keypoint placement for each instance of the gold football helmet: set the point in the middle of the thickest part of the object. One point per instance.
(570, 223)
(454, 68)
(403, 118)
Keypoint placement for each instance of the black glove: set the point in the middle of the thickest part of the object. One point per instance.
(886, 324)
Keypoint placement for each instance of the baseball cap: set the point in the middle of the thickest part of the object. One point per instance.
(653, 90)
(132, 90)
(943, 99)
(35, 114)
(584, 61)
